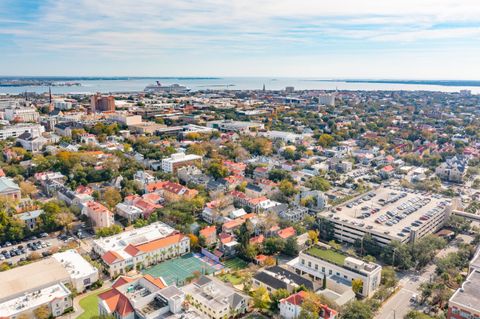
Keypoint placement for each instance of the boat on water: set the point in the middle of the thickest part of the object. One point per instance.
(159, 88)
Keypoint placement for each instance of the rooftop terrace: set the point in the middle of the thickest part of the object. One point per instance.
(329, 255)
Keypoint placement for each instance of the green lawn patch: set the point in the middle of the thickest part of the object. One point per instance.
(329, 255)
(89, 305)
(234, 280)
(236, 263)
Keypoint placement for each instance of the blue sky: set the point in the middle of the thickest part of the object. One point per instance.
(421, 39)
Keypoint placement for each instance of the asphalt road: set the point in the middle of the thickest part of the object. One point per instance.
(399, 305)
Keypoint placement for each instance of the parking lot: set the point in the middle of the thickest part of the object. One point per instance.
(393, 211)
(14, 252)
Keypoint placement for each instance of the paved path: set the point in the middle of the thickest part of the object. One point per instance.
(399, 305)
(77, 310)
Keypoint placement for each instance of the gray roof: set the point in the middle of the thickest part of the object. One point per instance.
(7, 185)
(203, 281)
(30, 215)
(468, 294)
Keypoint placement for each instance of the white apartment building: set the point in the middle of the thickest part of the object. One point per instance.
(19, 129)
(326, 99)
(317, 262)
(63, 105)
(22, 114)
(178, 160)
(216, 299)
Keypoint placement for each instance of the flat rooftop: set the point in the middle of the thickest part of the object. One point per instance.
(75, 264)
(45, 272)
(467, 296)
(377, 210)
(32, 300)
(327, 254)
(135, 237)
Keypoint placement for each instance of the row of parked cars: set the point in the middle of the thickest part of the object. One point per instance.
(32, 245)
(364, 198)
(394, 216)
(13, 243)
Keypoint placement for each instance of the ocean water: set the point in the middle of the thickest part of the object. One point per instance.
(231, 83)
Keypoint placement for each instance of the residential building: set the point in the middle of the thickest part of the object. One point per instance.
(31, 218)
(100, 215)
(99, 103)
(210, 234)
(294, 214)
(291, 307)
(63, 105)
(178, 160)
(144, 297)
(215, 299)
(277, 277)
(129, 212)
(172, 192)
(22, 114)
(9, 189)
(453, 170)
(66, 128)
(326, 99)
(320, 262)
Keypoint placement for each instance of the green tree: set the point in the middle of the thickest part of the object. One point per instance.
(318, 183)
(217, 170)
(389, 278)
(326, 140)
(357, 310)
(112, 197)
(291, 247)
(287, 188)
(261, 298)
(357, 286)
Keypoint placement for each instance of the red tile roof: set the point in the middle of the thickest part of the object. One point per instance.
(160, 243)
(287, 232)
(111, 257)
(208, 231)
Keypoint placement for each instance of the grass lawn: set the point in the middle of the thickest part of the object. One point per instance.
(236, 263)
(327, 254)
(234, 280)
(90, 305)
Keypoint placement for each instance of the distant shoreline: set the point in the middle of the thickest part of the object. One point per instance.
(413, 82)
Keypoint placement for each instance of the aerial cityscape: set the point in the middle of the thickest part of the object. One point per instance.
(214, 159)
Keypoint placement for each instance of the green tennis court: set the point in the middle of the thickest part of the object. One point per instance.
(175, 271)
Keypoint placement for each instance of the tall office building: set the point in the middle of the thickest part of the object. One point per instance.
(99, 103)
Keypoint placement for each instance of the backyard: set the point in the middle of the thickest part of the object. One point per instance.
(236, 263)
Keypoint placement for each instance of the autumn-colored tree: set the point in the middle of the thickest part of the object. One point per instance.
(193, 241)
(313, 236)
(112, 197)
(42, 312)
